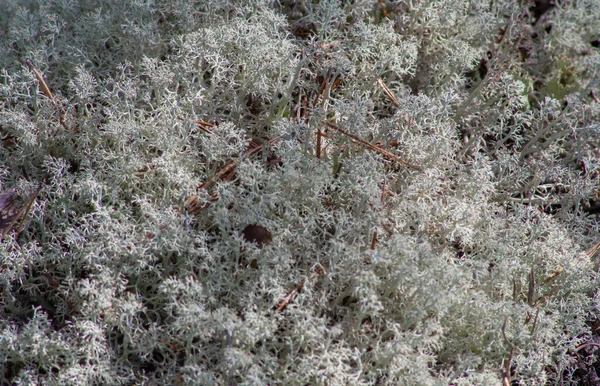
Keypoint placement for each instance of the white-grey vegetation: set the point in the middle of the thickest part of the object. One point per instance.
(258, 192)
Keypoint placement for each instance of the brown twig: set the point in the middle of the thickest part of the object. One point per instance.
(592, 251)
(321, 91)
(370, 146)
(288, 298)
(582, 346)
(505, 377)
(506, 369)
(299, 110)
(388, 93)
(204, 127)
(230, 167)
(319, 143)
(21, 215)
(553, 276)
(386, 228)
(43, 86)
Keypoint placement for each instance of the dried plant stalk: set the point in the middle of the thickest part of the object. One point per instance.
(388, 93)
(370, 146)
(43, 86)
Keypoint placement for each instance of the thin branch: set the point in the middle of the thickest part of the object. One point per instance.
(43, 86)
(230, 167)
(553, 276)
(592, 251)
(205, 125)
(585, 345)
(379, 150)
(388, 93)
(506, 369)
(288, 298)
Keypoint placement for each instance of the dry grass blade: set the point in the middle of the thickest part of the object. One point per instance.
(288, 298)
(592, 251)
(10, 215)
(27, 210)
(531, 290)
(388, 93)
(553, 276)
(204, 126)
(43, 86)
(376, 149)
(506, 369)
(230, 167)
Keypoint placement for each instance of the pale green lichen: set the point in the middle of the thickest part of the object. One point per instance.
(377, 273)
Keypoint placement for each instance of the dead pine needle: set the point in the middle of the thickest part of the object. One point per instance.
(592, 251)
(227, 171)
(319, 143)
(383, 10)
(553, 276)
(374, 240)
(28, 206)
(204, 126)
(388, 93)
(19, 217)
(43, 86)
(290, 296)
(376, 149)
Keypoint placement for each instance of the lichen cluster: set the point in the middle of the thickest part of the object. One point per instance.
(298, 192)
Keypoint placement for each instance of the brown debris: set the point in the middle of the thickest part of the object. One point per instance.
(43, 86)
(257, 234)
(11, 211)
(288, 298)
(376, 149)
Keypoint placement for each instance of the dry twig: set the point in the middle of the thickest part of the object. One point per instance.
(370, 146)
(388, 93)
(288, 298)
(506, 368)
(43, 86)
